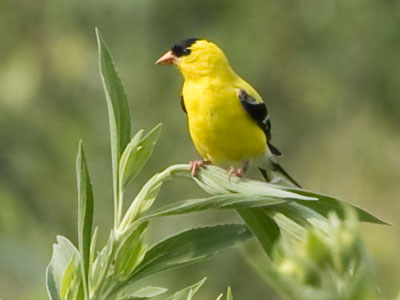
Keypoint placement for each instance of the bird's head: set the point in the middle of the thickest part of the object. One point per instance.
(195, 58)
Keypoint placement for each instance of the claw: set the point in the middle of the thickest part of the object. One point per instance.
(195, 165)
(237, 172)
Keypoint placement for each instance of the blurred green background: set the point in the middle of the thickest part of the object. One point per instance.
(329, 71)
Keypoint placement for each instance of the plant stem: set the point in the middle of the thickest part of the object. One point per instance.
(158, 179)
(120, 205)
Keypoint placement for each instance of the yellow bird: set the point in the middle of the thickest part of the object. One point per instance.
(228, 120)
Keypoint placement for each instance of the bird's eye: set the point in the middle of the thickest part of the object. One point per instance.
(180, 51)
(183, 47)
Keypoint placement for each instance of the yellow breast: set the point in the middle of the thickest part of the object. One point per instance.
(221, 129)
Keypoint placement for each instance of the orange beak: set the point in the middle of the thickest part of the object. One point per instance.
(167, 59)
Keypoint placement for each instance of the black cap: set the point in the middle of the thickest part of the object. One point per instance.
(181, 48)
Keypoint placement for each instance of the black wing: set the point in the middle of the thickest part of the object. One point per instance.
(259, 113)
(183, 104)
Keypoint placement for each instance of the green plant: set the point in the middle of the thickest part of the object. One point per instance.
(87, 273)
(322, 262)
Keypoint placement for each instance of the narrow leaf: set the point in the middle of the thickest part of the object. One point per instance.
(131, 252)
(301, 214)
(136, 155)
(128, 157)
(63, 251)
(118, 109)
(143, 293)
(262, 226)
(67, 279)
(290, 226)
(101, 264)
(220, 296)
(190, 246)
(226, 201)
(51, 285)
(77, 291)
(143, 200)
(326, 204)
(189, 292)
(85, 214)
(92, 255)
(229, 295)
(216, 180)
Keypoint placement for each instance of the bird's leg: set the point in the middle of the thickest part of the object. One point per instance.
(195, 165)
(237, 172)
(240, 171)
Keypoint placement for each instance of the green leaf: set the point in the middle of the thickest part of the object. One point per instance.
(215, 180)
(77, 292)
(136, 154)
(288, 225)
(189, 292)
(93, 244)
(262, 226)
(51, 285)
(143, 200)
(131, 252)
(294, 217)
(225, 201)
(118, 109)
(143, 293)
(63, 251)
(229, 295)
(102, 263)
(128, 157)
(68, 277)
(326, 204)
(85, 214)
(189, 247)
(71, 283)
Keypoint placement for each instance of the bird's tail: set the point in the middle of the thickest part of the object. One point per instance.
(274, 172)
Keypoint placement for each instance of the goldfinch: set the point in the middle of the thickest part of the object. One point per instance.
(228, 120)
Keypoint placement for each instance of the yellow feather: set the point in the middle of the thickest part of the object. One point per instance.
(222, 131)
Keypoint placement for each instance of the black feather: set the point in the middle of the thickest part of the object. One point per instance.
(259, 113)
(277, 167)
(182, 48)
(268, 176)
(265, 175)
(273, 149)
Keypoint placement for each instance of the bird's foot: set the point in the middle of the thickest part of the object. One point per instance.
(195, 165)
(237, 172)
